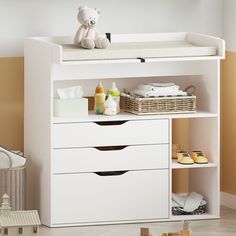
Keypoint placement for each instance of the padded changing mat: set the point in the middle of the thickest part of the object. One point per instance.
(138, 49)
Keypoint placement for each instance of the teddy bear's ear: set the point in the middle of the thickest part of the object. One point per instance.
(98, 11)
(83, 8)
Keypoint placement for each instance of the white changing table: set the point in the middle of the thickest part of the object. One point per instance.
(74, 176)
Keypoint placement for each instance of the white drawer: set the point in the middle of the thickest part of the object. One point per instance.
(103, 134)
(125, 158)
(91, 198)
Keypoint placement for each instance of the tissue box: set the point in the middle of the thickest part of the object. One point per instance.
(70, 107)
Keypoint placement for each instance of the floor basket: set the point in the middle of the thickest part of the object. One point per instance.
(179, 211)
(12, 182)
(159, 105)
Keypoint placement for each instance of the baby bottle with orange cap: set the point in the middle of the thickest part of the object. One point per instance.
(99, 99)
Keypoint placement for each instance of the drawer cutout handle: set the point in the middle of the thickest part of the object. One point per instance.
(110, 173)
(107, 123)
(111, 148)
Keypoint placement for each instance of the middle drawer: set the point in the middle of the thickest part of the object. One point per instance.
(104, 159)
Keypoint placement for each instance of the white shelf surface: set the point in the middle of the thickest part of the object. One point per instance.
(176, 165)
(92, 117)
(204, 216)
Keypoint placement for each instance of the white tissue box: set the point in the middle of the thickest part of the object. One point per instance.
(70, 107)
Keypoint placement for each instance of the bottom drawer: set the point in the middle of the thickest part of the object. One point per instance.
(115, 196)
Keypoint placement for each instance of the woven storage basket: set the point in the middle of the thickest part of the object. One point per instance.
(12, 182)
(179, 211)
(159, 105)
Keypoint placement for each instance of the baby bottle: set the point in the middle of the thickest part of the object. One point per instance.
(110, 107)
(99, 99)
(115, 93)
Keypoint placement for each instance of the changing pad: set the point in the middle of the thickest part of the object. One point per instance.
(138, 49)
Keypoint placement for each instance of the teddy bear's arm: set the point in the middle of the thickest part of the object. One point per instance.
(79, 35)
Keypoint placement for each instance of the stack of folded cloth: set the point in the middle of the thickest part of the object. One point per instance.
(158, 90)
(189, 204)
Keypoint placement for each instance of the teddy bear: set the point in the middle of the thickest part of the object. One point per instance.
(87, 35)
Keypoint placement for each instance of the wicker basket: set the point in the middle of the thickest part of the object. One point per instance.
(12, 182)
(179, 211)
(159, 105)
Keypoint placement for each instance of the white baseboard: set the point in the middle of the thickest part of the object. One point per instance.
(228, 200)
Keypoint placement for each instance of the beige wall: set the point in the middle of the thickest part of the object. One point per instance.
(11, 102)
(228, 142)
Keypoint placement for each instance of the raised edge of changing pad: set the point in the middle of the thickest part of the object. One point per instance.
(134, 50)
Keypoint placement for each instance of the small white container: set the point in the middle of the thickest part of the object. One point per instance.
(70, 107)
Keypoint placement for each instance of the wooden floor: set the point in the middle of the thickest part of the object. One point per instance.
(226, 226)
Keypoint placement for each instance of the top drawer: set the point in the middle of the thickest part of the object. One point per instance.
(110, 133)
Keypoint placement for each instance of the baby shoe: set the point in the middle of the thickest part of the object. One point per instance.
(199, 158)
(175, 149)
(184, 158)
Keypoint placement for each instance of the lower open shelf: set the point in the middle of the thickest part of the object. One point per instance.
(176, 165)
(204, 181)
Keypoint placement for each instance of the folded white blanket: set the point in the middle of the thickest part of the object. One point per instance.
(170, 89)
(145, 93)
(162, 84)
(192, 202)
(158, 89)
(16, 159)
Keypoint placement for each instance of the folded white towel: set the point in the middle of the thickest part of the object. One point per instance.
(16, 159)
(170, 89)
(192, 202)
(146, 87)
(162, 84)
(175, 204)
(142, 93)
(167, 89)
(145, 93)
(189, 202)
(180, 200)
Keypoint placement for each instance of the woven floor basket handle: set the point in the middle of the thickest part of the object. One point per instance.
(10, 161)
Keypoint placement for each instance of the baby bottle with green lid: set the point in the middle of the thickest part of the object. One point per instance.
(115, 93)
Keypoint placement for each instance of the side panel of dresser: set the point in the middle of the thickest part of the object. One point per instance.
(37, 126)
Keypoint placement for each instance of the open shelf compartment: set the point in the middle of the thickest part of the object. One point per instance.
(205, 182)
(198, 135)
(207, 89)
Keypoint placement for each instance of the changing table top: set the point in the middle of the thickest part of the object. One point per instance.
(132, 50)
